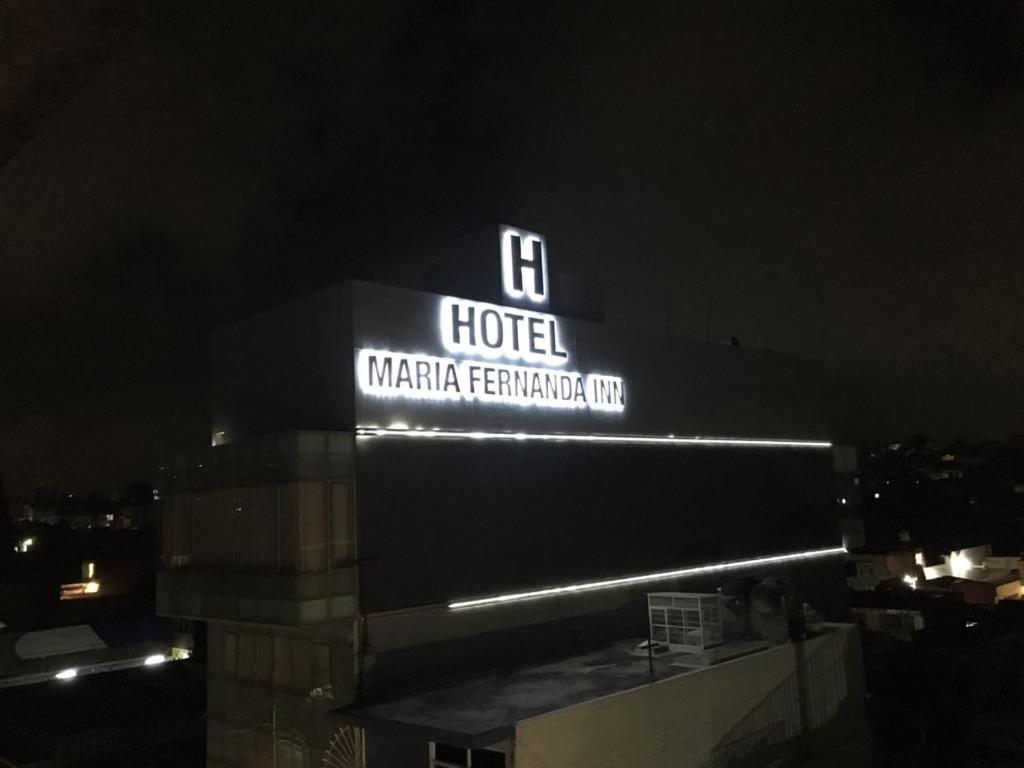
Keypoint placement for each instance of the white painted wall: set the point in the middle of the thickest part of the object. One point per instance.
(687, 720)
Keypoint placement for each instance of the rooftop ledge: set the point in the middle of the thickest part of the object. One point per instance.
(481, 710)
(280, 599)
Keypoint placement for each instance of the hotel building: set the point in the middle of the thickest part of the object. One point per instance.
(428, 524)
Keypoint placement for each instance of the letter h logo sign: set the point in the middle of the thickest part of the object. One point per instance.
(524, 267)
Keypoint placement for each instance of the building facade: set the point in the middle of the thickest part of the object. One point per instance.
(406, 489)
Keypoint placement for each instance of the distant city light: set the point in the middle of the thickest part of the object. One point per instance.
(152, 661)
(66, 674)
(878, 495)
(959, 564)
(77, 590)
(910, 581)
(842, 500)
(24, 545)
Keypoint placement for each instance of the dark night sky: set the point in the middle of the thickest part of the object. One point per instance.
(840, 180)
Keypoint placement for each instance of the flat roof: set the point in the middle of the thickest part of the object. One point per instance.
(994, 577)
(481, 710)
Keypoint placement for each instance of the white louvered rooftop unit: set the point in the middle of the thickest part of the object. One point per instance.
(685, 621)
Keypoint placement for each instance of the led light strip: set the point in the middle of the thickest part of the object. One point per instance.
(515, 597)
(754, 442)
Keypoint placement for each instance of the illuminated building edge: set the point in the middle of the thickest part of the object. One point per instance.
(749, 442)
(590, 586)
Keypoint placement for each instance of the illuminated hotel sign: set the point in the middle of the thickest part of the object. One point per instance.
(524, 267)
(500, 354)
(492, 331)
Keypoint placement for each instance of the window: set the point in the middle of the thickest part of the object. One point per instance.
(291, 754)
(312, 526)
(898, 621)
(449, 756)
(230, 654)
(865, 570)
(301, 666)
(282, 664)
(246, 656)
(286, 663)
(263, 663)
(303, 535)
(487, 758)
(321, 665)
(341, 524)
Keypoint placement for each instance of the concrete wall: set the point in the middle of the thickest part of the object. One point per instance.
(442, 520)
(273, 599)
(292, 368)
(803, 702)
(250, 709)
(285, 370)
(439, 521)
(673, 386)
